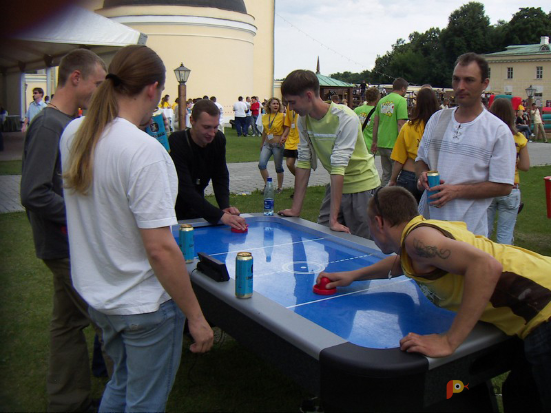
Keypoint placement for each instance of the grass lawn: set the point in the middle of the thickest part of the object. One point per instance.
(10, 168)
(241, 149)
(229, 378)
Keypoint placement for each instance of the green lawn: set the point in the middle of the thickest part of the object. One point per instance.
(241, 149)
(229, 378)
(10, 168)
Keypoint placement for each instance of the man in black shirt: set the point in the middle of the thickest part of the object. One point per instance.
(199, 155)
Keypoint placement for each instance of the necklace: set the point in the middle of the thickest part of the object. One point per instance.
(56, 108)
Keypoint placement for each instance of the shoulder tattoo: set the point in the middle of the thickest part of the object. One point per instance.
(428, 251)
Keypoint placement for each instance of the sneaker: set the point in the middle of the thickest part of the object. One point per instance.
(279, 190)
(292, 195)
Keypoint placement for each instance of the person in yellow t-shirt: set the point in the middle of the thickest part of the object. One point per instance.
(290, 138)
(407, 143)
(272, 136)
(477, 278)
(165, 104)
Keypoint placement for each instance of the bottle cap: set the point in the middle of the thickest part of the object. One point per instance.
(269, 179)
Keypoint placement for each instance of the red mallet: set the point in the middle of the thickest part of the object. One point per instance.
(240, 231)
(322, 289)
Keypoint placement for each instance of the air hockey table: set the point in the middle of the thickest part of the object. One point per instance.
(343, 347)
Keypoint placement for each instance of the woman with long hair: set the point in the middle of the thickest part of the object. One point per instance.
(507, 206)
(272, 144)
(407, 143)
(120, 190)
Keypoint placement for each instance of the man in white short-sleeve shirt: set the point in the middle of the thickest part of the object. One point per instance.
(473, 151)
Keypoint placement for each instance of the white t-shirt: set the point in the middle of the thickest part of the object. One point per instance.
(240, 108)
(221, 109)
(478, 151)
(134, 187)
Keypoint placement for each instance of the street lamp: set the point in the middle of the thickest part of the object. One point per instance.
(182, 75)
(530, 93)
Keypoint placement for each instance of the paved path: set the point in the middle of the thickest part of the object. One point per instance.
(244, 177)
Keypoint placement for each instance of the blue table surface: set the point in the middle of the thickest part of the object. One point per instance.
(287, 260)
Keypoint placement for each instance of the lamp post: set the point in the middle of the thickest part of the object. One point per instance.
(530, 93)
(182, 75)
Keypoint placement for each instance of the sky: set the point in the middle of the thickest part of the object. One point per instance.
(347, 35)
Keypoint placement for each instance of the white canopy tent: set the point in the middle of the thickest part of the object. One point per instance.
(44, 45)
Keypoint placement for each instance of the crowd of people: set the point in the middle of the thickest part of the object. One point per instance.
(101, 195)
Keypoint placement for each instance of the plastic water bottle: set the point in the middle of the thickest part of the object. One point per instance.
(269, 198)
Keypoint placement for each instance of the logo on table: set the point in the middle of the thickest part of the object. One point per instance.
(455, 386)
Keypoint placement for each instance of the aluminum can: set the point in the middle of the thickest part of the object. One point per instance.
(433, 178)
(244, 275)
(187, 243)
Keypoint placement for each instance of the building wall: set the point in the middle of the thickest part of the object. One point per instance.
(524, 75)
(263, 63)
(229, 53)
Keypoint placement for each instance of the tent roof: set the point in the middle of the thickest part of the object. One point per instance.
(75, 27)
(329, 81)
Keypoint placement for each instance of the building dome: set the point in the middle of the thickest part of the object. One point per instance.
(231, 5)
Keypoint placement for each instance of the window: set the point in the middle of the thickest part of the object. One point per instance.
(539, 72)
(509, 73)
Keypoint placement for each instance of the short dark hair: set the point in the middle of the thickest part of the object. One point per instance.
(213, 98)
(467, 58)
(299, 81)
(39, 90)
(399, 83)
(394, 204)
(80, 59)
(204, 105)
(372, 94)
(240, 98)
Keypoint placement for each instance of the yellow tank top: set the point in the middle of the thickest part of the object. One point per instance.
(522, 298)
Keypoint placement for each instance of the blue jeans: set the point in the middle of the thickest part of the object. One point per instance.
(255, 128)
(407, 179)
(537, 349)
(507, 208)
(240, 125)
(269, 149)
(248, 124)
(146, 351)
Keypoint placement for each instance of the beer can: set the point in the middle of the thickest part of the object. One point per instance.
(244, 275)
(187, 243)
(433, 178)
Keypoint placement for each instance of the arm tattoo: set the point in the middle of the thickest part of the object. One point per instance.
(427, 251)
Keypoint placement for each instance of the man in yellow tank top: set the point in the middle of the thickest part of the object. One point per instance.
(505, 285)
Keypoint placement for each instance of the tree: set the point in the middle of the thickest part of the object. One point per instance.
(467, 31)
(527, 26)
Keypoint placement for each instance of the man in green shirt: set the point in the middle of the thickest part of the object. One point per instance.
(333, 134)
(366, 112)
(389, 117)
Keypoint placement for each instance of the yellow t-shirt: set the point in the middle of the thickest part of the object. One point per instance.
(291, 119)
(522, 297)
(273, 123)
(520, 142)
(407, 143)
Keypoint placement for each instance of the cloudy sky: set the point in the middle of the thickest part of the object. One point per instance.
(347, 35)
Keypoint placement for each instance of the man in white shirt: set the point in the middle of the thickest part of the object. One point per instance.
(473, 151)
(34, 108)
(538, 123)
(240, 109)
(221, 109)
